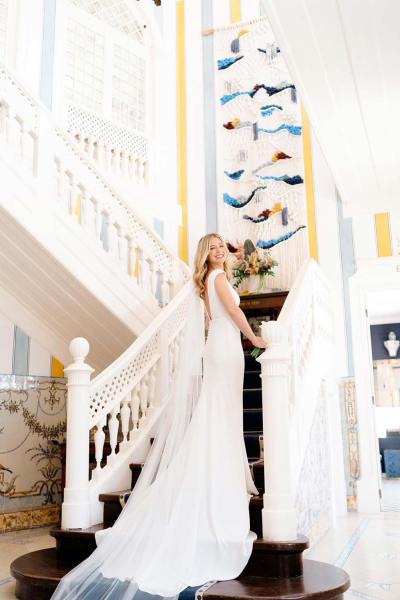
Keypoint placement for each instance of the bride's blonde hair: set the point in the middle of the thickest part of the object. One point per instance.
(201, 264)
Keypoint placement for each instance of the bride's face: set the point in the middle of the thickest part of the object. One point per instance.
(217, 253)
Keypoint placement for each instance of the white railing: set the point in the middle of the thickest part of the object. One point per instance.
(296, 368)
(71, 185)
(127, 397)
(118, 162)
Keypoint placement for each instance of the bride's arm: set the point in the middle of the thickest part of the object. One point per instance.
(235, 313)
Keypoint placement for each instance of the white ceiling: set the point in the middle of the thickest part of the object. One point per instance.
(344, 56)
(384, 306)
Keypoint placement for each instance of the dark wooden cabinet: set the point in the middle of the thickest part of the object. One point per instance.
(261, 307)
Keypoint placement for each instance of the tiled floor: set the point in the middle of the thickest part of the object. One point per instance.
(367, 547)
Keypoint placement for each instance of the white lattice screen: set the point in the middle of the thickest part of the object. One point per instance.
(98, 128)
(261, 192)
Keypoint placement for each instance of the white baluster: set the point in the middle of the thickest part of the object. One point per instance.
(139, 257)
(125, 414)
(112, 239)
(123, 249)
(144, 393)
(145, 171)
(76, 507)
(140, 172)
(135, 405)
(99, 438)
(20, 137)
(69, 198)
(162, 288)
(98, 219)
(152, 390)
(106, 156)
(279, 520)
(113, 426)
(151, 276)
(85, 208)
(131, 257)
(131, 167)
(124, 164)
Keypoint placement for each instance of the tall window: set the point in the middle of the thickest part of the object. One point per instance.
(84, 70)
(128, 89)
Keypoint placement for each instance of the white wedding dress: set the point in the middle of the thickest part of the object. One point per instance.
(187, 521)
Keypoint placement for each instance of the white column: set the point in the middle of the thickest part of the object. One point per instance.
(75, 508)
(278, 515)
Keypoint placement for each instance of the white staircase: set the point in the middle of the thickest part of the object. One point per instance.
(75, 259)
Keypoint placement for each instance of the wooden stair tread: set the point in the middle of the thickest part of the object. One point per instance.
(113, 496)
(57, 532)
(320, 581)
(40, 565)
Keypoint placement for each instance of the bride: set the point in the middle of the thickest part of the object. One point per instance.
(187, 519)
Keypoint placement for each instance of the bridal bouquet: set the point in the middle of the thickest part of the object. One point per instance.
(249, 261)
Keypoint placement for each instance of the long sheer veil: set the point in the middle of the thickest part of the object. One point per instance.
(129, 561)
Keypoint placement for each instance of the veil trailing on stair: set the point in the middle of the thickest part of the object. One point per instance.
(168, 535)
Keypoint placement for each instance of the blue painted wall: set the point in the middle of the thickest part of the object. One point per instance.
(379, 333)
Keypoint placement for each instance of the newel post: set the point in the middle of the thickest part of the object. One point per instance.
(279, 520)
(76, 508)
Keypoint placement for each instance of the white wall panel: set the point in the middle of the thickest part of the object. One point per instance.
(39, 360)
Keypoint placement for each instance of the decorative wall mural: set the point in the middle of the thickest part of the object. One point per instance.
(313, 501)
(259, 148)
(350, 440)
(32, 427)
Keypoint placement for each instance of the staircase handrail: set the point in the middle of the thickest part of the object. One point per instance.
(148, 343)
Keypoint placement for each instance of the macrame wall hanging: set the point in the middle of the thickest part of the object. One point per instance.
(259, 147)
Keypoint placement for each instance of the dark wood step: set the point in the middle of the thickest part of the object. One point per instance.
(252, 398)
(136, 469)
(319, 581)
(252, 419)
(75, 545)
(38, 573)
(252, 443)
(252, 379)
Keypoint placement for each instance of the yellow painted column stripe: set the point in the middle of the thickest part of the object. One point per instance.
(181, 128)
(309, 186)
(235, 11)
(57, 368)
(382, 231)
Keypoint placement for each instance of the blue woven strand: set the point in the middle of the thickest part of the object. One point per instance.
(274, 242)
(295, 180)
(225, 63)
(292, 129)
(235, 174)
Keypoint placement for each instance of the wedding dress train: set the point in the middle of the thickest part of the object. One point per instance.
(187, 520)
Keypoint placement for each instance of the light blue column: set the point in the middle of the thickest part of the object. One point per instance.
(47, 73)
(20, 352)
(209, 119)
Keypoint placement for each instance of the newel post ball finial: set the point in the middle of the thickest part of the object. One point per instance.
(79, 349)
